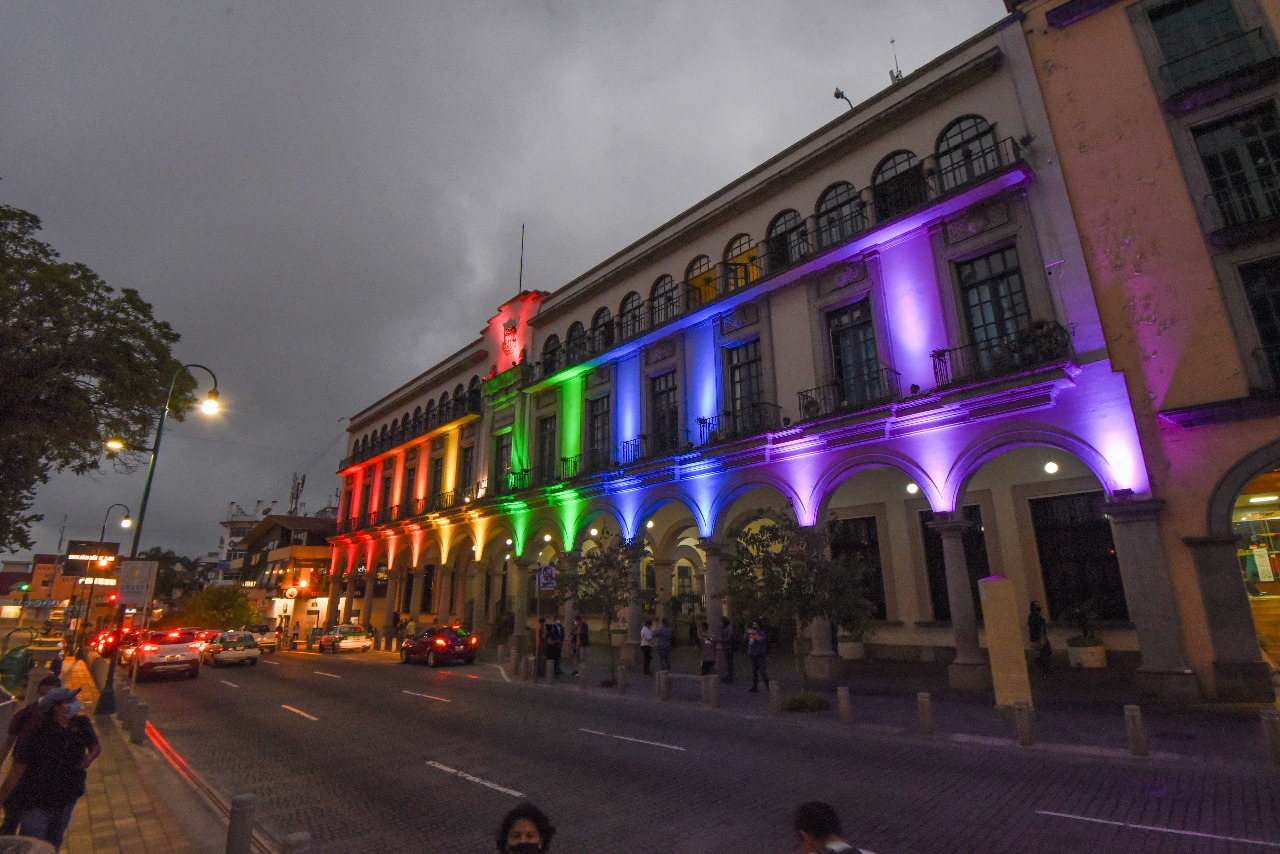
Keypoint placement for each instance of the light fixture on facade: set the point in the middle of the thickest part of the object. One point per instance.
(594, 532)
(649, 524)
(546, 538)
(912, 488)
(1264, 499)
(508, 541)
(508, 557)
(1051, 467)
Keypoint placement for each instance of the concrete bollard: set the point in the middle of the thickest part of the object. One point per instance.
(842, 705)
(296, 843)
(711, 690)
(583, 678)
(1271, 733)
(1022, 719)
(1137, 731)
(664, 685)
(125, 705)
(924, 705)
(530, 671)
(621, 678)
(548, 672)
(240, 824)
(775, 699)
(138, 724)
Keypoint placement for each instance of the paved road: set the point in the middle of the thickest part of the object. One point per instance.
(370, 756)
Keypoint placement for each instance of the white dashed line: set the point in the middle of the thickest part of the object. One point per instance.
(428, 696)
(477, 780)
(301, 652)
(269, 661)
(1155, 829)
(636, 740)
(322, 673)
(299, 712)
(230, 684)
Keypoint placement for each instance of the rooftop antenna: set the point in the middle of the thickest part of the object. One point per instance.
(520, 284)
(295, 493)
(896, 74)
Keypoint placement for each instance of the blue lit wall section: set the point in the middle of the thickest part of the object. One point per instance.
(702, 375)
(627, 388)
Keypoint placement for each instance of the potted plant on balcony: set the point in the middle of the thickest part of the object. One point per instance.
(1085, 650)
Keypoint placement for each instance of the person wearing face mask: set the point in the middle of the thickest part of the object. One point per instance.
(25, 719)
(49, 763)
(525, 830)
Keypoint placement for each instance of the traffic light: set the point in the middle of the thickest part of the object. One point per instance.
(112, 598)
(24, 587)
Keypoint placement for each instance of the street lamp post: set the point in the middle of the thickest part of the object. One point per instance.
(107, 699)
(97, 554)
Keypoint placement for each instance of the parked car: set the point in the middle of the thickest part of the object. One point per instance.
(439, 645)
(341, 638)
(167, 651)
(268, 640)
(230, 648)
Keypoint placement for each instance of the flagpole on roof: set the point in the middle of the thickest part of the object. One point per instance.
(520, 284)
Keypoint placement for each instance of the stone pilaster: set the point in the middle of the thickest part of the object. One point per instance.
(970, 670)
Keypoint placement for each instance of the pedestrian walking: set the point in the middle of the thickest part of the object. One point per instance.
(757, 649)
(581, 640)
(1038, 631)
(729, 643)
(525, 830)
(49, 763)
(664, 639)
(555, 644)
(646, 647)
(708, 647)
(411, 628)
(818, 830)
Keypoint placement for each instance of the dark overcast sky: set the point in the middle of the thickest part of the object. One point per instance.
(325, 198)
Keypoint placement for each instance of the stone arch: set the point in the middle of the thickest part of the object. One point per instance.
(593, 511)
(724, 500)
(834, 477)
(984, 450)
(1224, 495)
(660, 497)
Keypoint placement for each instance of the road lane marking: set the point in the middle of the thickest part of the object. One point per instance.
(428, 696)
(299, 712)
(464, 775)
(322, 673)
(636, 740)
(306, 653)
(1155, 829)
(268, 661)
(225, 682)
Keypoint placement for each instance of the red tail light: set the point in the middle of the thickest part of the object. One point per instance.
(150, 647)
(195, 646)
(441, 642)
(475, 639)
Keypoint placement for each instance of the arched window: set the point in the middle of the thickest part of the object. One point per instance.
(841, 214)
(664, 303)
(364, 443)
(395, 426)
(382, 437)
(631, 316)
(551, 355)
(473, 392)
(741, 263)
(417, 418)
(576, 343)
(966, 150)
(459, 400)
(700, 282)
(431, 414)
(445, 411)
(404, 421)
(898, 185)
(601, 331)
(787, 241)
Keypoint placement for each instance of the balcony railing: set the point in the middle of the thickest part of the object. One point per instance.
(789, 247)
(457, 408)
(1230, 55)
(632, 451)
(512, 481)
(877, 387)
(590, 462)
(751, 419)
(973, 162)
(1045, 342)
(1242, 202)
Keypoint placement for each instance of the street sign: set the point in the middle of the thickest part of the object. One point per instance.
(546, 577)
(135, 581)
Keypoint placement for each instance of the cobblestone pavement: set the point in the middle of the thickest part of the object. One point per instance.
(370, 755)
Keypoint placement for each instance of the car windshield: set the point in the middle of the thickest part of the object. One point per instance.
(175, 636)
(258, 630)
(236, 637)
(350, 630)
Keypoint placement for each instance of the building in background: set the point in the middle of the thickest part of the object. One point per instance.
(1166, 115)
(285, 567)
(238, 523)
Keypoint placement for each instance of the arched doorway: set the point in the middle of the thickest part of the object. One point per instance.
(1255, 521)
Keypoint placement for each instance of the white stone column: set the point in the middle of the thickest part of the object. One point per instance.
(389, 604)
(631, 649)
(969, 671)
(663, 572)
(350, 594)
(714, 585)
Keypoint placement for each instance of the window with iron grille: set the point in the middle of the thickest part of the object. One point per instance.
(385, 502)
(853, 354)
(966, 150)
(841, 214)
(365, 495)
(1241, 157)
(898, 185)
(855, 545)
(787, 242)
(746, 375)
(995, 300)
(602, 331)
(739, 262)
(664, 432)
(435, 476)
(664, 301)
(598, 431)
(1262, 288)
(466, 467)
(631, 316)
(548, 452)
(406, 486)
(1201, 41)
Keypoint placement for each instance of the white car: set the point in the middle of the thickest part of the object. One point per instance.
(230, 648)
(341, 638)
(268, 640)
(166, 651)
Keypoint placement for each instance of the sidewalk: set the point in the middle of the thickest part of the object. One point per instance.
(134, 803)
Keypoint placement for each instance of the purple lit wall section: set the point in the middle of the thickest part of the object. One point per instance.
(912, 306)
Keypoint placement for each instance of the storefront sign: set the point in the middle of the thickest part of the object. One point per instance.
(1263, 560)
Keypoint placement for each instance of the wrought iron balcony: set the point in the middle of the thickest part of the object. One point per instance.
(877, 387)
(1043, 343)
(1232, 54)
(512, 481)
(632, 451)
(387, 514)
(789, 247)
(589, 462)
(1235, 203)
(751, 419)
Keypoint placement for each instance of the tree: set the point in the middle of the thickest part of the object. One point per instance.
(223, 607)
(79, 364)
(784, 573)
(171, 564)
(602, 583)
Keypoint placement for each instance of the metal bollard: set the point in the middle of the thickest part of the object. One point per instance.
(842, 705)
(296, 843)
(1137, 731)
(621, 678)
(138, 724)
(1271, 733)
(924, 705)
(1022, 719)
(240, 825)
(775, 699)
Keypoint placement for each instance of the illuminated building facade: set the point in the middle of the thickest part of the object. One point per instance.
(1174, 175)
(890, 323)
